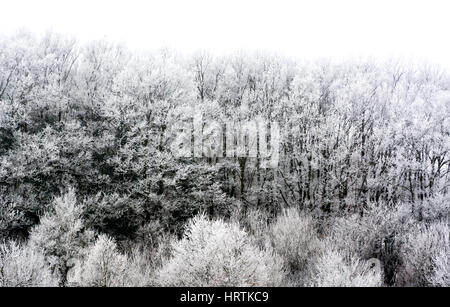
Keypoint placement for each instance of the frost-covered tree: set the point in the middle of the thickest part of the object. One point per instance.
(103, 266)
(216, 253)
(425, 252)
(376, 234)
(24, 266)
(295, 238)
(441, 269)
(61, 235)
(333, 269)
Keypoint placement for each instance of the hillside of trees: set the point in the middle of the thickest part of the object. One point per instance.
(92, 193)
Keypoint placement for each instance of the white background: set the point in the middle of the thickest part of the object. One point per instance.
(320, 28)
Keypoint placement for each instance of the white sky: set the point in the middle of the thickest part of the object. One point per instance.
(314, 28)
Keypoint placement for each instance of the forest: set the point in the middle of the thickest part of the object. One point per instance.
(93, 192)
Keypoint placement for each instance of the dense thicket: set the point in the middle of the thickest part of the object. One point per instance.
(85, 135)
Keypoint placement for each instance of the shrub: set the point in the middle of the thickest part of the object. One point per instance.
(255, 221)
(23, 266)
(146, 260)
(295, 238)
(425, 251)
(334, 270)
(435, 208)
(11, 219)
(376, 234)
(441, 269)
(141, 265)
(103, 266)
(215, 253)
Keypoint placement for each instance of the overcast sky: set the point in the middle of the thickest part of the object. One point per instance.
(315, 28)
